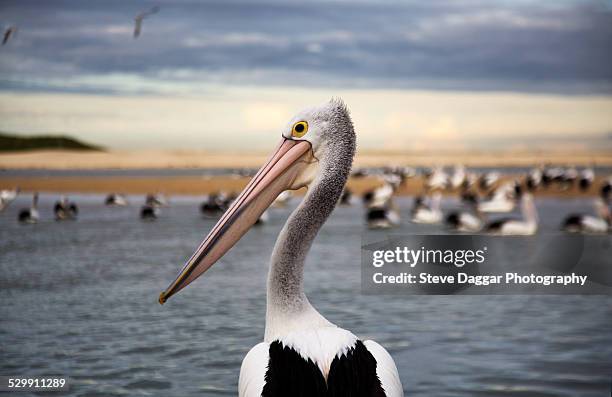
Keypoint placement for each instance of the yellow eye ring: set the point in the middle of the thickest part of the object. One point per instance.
(299, 129)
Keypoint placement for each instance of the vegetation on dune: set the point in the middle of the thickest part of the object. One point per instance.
(10, 143)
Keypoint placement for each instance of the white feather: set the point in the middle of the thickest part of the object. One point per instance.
(431, 214)
(385, 369)
(321, 345)
(469, 222)
(591, 224)
(253, 371)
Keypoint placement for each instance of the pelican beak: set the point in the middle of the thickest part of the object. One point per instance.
(282, 172)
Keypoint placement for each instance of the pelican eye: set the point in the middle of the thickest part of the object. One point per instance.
(299, 129)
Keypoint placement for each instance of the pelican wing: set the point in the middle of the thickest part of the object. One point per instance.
(253, 371)
(385, 369)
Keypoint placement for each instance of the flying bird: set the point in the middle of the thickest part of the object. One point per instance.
(303, 353)
(140, 17)
(10, 31)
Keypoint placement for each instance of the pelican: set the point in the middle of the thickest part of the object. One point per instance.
(585, 181)
(283, 199)
(360, 173)
(381, 213)
(552, 174)
(140, 17)
(156, 200)
(466, 221)
(347, 197)
(7, 197)
(517, 227)
(533, 179)
(459, 177)
(115, 200)
(8, 33)
(423, 213)
(215, 204)
(65, 210)
(149, 212)
(583, 223)
(393, 179)
(502, 199)
(437, 179)
(568, 177)
(303, 353)
(488, 180)
(30, 215)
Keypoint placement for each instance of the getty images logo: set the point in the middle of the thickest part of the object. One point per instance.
(422, 255)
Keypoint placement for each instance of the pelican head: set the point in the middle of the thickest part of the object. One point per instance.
(317, 143)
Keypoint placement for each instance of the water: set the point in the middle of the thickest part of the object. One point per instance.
(79, 299)
(174, 172)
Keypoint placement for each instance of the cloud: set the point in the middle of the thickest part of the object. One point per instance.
(524, 46)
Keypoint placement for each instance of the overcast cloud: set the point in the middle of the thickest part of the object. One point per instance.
(525, 46)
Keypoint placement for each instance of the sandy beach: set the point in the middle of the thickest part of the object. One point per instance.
(197, 185)
(57, 159)
(190, 185)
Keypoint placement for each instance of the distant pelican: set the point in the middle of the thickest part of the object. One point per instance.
(586, 179)
(552, 174)
(381, 211)
(303, 353)
(533, 179)
(65, 210)
(424, 213)
(502, 199)
(583, 223)
(283, 199)
(215, 204)
(8, 33)
(263, 219)
(470, 221)
(156, 200)
(148, 212)
(6, 197)
(140, 17)
(488, 180)
(116, 200)
(459, 177)
(359, 173)
(437, 179)
(568, 177)
(394, 180)
(526, 226)
(30, 215)
(346, 198)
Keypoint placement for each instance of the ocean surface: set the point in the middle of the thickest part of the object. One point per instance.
(79, 299)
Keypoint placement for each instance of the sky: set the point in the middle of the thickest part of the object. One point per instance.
(226, 74)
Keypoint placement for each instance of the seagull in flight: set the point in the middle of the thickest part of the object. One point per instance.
(10, 31)
(139, 18)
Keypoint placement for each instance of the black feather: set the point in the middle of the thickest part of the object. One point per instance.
(453, 219)
(375, 214)
(24, 215)
(353, 374)
(495, 226)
